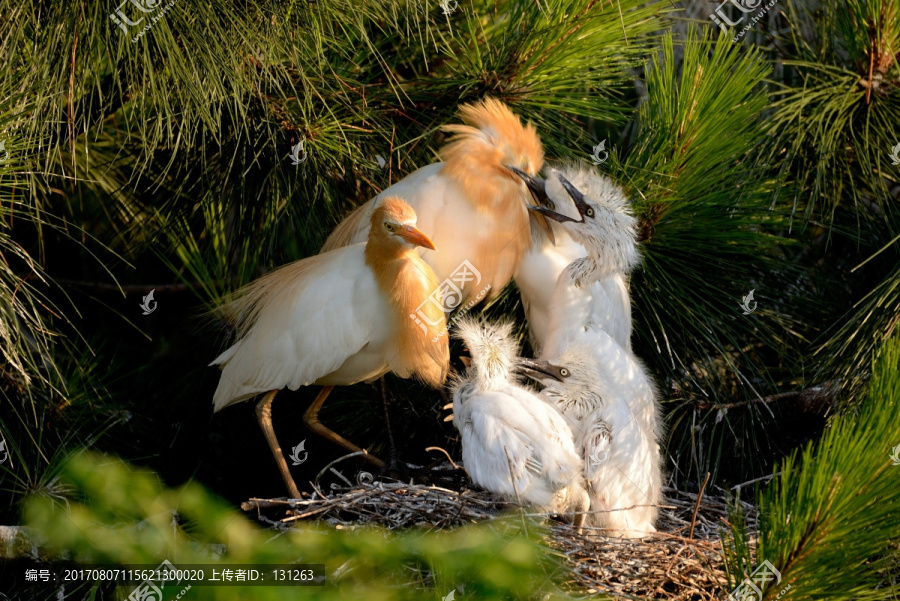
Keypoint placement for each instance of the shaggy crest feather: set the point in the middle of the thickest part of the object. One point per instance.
(493, 348)
(492, 135)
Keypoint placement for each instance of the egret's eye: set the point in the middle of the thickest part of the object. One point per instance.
(389, 226)
(564, 372)
(551, 205)
(589, 212)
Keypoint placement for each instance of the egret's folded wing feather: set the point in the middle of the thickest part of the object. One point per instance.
(494, 433)
(315, 314)
(556, 451)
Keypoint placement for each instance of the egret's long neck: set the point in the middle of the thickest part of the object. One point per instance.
(494, 377)
(407, 283)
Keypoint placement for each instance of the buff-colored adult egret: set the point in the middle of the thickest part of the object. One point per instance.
(335, 319)
(470, 204)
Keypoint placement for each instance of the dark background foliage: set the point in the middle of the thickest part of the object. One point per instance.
(162, 165)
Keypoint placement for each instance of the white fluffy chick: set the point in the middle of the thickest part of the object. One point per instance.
(574, 279)
(501, 422)
(610, 404)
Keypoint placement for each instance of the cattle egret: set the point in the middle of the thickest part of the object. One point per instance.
(513, 443)
(610, 404)
(336, 318)
(470, 204)
(599, 293)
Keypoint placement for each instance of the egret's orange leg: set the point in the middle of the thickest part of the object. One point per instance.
(311, 419)
(264, 415)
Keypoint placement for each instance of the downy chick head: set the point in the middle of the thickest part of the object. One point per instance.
(595, 212)
(493, 349)
(572, 381)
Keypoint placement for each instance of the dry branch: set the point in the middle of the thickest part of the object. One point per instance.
(682, 561)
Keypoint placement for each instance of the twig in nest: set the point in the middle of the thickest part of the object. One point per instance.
(335, 462)
(342, 477)
(453, 463)
(738, 487)
(697, 506)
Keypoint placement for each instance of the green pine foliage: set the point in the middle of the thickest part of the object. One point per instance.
(120, 515)
(835, 120)
(160, 161)
(829, 520)
(709, 237)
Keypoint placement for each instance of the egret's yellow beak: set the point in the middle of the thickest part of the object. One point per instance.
(412, 235)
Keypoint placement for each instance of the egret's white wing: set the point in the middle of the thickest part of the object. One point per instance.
(555, 443)
(307, 330)
(492, 433)
(422, 189)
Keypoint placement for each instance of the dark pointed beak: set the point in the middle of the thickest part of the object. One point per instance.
(577, 197)
(538, 370)
(552, 214)
(536, 186)
(538, 189)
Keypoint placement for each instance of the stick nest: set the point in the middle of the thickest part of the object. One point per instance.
(666, 565)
